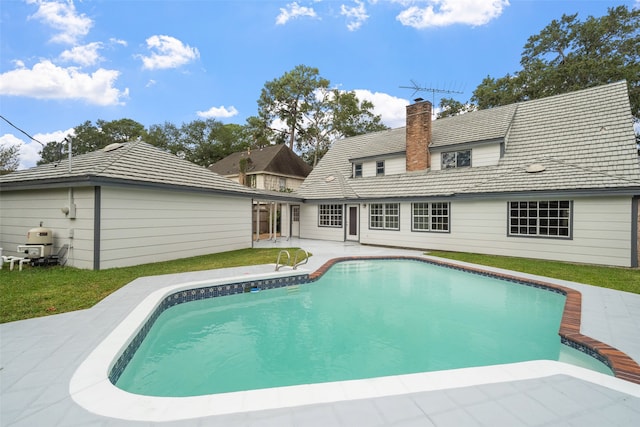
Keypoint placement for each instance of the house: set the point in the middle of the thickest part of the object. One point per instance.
(555, 178)
(274, 167)
(126, 204)
(270, 168)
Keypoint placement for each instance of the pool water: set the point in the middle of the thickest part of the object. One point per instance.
(361, 319)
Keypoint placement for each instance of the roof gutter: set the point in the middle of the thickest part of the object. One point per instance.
(91, 181)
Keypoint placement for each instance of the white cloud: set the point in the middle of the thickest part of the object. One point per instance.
(356, 15)
(440, 13)
(218, 112)
(84, 55)
(294, 10)
(117, 41)
(391, 109)
(49, 81)
(62, 17)
(168, 52)
(30, 150)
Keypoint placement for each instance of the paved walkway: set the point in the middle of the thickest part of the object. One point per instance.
(38, 358)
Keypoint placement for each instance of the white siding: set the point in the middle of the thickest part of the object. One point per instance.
(481, 155)
(368, 169)
(602, 232)
(309, 228)
(395, 166)
(22, 210)
(392, 166)
(485, 155)
(139, 227)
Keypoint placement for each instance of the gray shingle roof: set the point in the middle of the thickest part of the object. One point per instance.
(276, 159)
(132, 162)
(480, 125)
(584, 139)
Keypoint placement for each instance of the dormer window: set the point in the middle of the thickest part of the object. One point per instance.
(357, 170)
(380, 167)
(456, 159)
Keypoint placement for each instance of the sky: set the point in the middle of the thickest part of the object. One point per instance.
(65, 62)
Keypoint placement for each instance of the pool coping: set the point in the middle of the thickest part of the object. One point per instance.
(90, 386)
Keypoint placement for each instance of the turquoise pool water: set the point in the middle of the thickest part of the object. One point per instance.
(361, 319)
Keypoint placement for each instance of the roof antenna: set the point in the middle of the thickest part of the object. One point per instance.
(418, 88)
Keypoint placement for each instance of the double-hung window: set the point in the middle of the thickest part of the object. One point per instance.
(380, 167)
(430, 216)
(456, 159)
(384, 216)
(548, 218)
(330, 216)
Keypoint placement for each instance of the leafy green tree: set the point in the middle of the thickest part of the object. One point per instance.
(261, 134)
(351, 116)
(51, 152)
(88, 137)
(288, 98)
(9, 159)
(204, 142)
(122, 130)
(450, 107)
(332, 115)
(568, 55)
(314, 114)
(165, 136)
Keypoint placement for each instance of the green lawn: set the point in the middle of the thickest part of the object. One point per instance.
(622, 279)
(40, 291)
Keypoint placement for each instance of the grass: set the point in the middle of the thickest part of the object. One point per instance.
(618, 278)
(41, 291)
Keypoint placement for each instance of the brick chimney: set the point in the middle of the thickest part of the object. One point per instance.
(418, 135)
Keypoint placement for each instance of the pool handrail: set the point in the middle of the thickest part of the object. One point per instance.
(303, 262)
(278, 264)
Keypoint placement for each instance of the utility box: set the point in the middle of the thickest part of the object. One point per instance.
(39, 243)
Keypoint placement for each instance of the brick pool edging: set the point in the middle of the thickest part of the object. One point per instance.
(623, 366)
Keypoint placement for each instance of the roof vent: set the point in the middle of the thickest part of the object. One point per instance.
(329, 178)
(112, 147)
(536, 168)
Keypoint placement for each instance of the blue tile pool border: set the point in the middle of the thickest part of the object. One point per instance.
(197, 294)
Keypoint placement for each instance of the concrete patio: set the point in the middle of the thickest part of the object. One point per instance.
(38, 358)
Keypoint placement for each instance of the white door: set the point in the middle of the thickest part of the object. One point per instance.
(295, 221)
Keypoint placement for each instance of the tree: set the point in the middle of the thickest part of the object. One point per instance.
(351, 116)
(260, 133)
(450, 107)
(334, 114)
(9, 158)
(88, 137)
(288, 98)
(314, 114)
(568, 55)
(204, 142)
(165, 136)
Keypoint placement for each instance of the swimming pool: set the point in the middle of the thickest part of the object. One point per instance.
(362, 319)
(92, 388)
